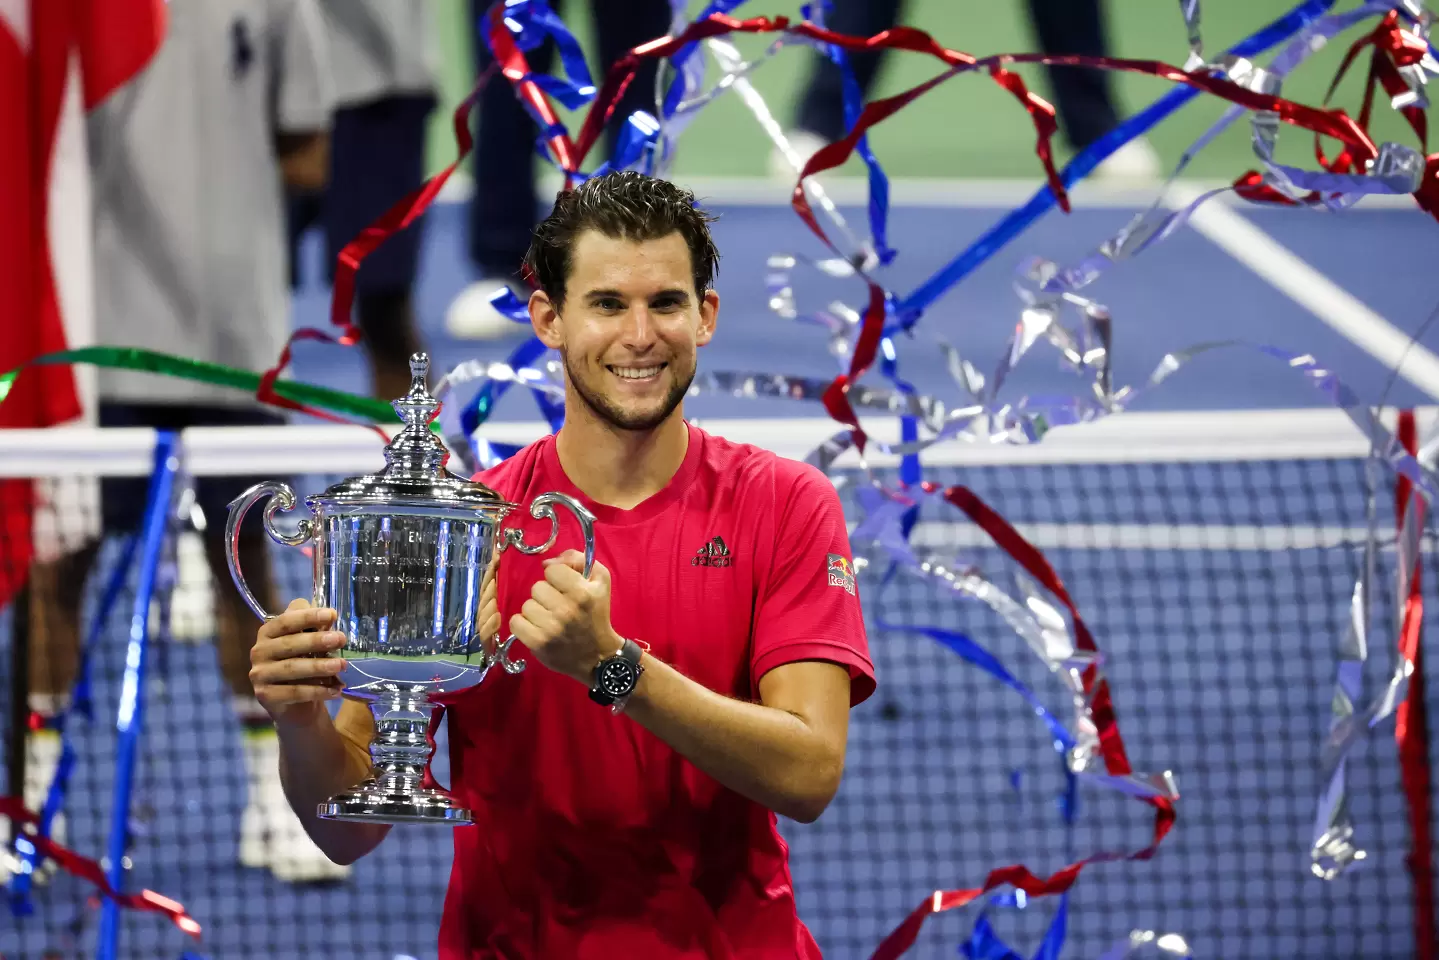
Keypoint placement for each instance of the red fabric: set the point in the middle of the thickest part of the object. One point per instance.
(114, 39)
(594, 839)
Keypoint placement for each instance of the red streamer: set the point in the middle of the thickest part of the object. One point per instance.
(1411, 727)
(1116, 762)
(147, 901)
(1393, 47)
(400, 215)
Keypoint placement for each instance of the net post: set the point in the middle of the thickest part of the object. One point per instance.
(130, 713)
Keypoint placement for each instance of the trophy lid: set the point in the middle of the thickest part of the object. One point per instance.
(414, 460)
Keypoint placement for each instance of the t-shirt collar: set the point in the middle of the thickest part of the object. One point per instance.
(556, 479)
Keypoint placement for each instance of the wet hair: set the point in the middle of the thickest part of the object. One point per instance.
(624, 205)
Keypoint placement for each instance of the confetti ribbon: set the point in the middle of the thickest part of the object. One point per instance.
(1411, 726)
(81, 705)
(399, 216)
(129, 719)
(1099, 734)
(1017, 221)
(146, 901)
(300, 395)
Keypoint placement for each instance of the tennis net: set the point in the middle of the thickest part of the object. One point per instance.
(1212, 555)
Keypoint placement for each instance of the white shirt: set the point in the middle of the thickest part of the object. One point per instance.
(190, 234)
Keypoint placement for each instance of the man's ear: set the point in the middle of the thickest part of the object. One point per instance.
(545, 319)
(709, 315)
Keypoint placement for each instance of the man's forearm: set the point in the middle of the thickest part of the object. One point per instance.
(315, 764)
(768, 755)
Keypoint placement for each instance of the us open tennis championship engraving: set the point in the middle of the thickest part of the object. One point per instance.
(401, 557)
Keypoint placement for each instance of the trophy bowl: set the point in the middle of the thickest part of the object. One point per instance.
(401, 557)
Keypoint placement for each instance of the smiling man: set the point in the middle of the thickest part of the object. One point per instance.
(696, 684)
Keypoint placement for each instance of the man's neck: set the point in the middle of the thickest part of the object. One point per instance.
(620, 468)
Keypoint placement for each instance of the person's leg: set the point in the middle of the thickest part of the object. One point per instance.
(377, 158)
(622, 25)
(503, 211)
(1083, 97)
(821, 109)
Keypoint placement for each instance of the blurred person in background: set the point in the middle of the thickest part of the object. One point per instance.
(1084, 98)
(188, 169)
(384, 63)
(505, 206)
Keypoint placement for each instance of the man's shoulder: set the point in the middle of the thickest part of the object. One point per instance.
(757, 468)
(509, 476)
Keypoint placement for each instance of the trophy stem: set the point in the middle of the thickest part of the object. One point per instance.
(401, 749)
(399, 755)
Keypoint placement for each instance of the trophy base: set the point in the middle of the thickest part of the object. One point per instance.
(373, 803)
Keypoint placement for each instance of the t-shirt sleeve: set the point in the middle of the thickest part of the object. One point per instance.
(808, 607)
(304, 87)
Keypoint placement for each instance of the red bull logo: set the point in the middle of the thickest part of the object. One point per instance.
(841, 573)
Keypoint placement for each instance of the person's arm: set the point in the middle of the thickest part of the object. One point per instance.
(319, 759)
(810, 663)
(786, 752)
(303, 96)
(304, 160)
(294, 675)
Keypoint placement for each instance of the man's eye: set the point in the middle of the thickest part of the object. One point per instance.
(667, 304)
(607, 304)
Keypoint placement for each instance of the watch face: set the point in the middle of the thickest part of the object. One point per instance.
(617, 677)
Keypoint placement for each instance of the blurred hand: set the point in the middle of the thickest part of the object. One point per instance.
(290, 667)
(490, 607)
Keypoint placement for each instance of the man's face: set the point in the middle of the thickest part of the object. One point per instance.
(629, 327)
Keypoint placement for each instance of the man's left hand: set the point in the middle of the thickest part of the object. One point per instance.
(566, 621)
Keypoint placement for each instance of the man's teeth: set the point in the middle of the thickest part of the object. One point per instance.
(635, 373)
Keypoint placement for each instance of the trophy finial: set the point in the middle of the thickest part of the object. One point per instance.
(419, 373)
(415, 451)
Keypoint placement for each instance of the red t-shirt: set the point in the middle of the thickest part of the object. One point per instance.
(592, 837)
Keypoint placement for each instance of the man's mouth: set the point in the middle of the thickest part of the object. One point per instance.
(637, 374)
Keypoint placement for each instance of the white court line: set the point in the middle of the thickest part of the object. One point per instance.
(1313, 291)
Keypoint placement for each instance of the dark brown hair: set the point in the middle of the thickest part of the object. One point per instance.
(624, 205)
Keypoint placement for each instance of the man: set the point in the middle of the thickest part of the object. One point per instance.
(384, 63)
(189, 164)
(722, 571)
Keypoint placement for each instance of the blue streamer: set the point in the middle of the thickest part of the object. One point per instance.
(131, 712)
(1018, 220)
(985, 944)
(482, 404)
(853, 107)
(635, 146)
(531, 22)
(679, 88)
(81, 704)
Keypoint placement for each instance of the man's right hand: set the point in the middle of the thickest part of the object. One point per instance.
(290, 664)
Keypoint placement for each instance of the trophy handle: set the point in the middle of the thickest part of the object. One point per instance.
(543, 508)
(284, 499)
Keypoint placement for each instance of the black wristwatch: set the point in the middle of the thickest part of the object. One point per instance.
(616, 676)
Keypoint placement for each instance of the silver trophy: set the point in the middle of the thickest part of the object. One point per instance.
(401, 557)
